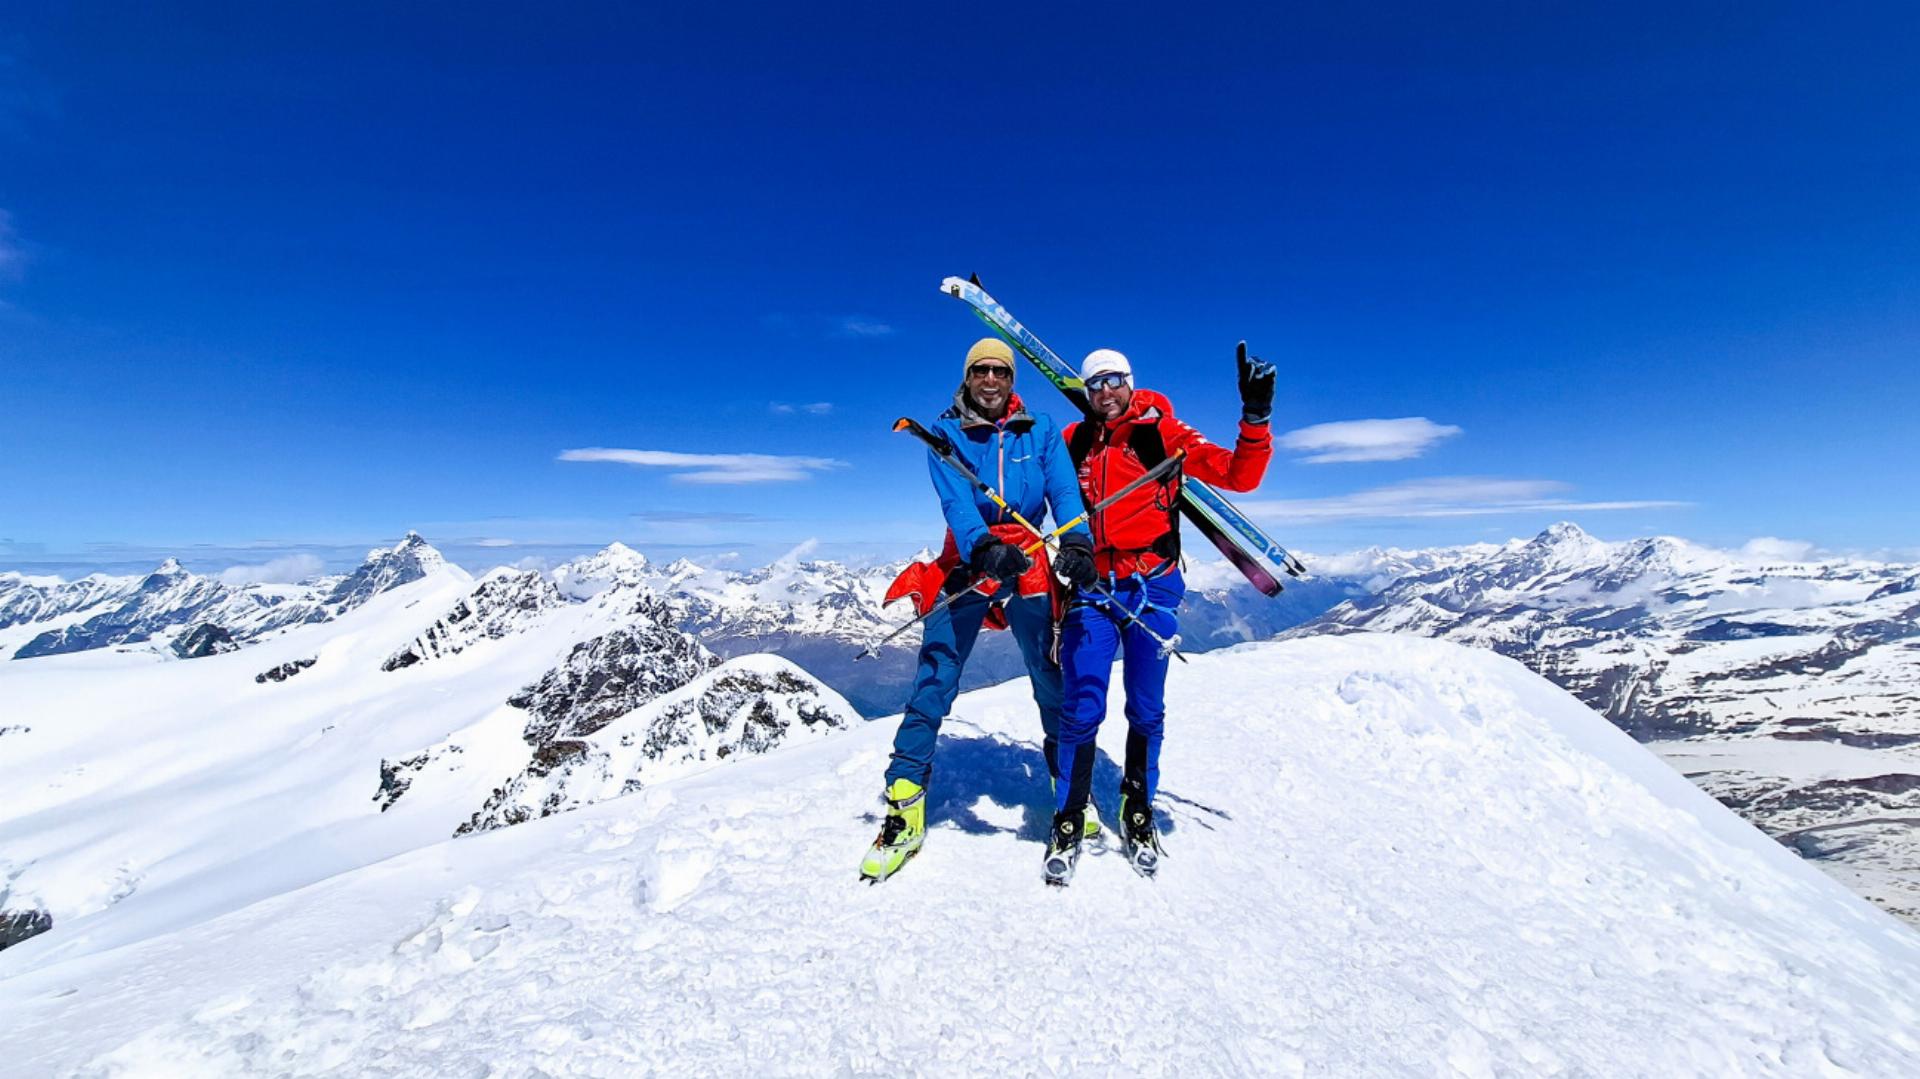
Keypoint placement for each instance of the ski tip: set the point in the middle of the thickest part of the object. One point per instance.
(904, 423)
(974, 280)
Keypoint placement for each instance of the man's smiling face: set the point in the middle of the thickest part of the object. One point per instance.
(990, 383)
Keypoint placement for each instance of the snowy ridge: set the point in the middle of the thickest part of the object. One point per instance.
(744, 707)
(1387, 856)
(501, 605)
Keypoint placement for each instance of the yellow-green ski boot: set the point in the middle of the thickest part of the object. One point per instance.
(1089, 821)
(900, 834)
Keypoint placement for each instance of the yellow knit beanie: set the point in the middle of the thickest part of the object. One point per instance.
(988, 348)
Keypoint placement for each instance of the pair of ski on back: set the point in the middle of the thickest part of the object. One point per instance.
(1243, 543)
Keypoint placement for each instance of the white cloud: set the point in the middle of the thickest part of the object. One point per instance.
(1460, 496)
(287, 570)
(797, 553)
(862, 327)
(1366, 440)
(817, 408)
(713, 467)
(1773, 549)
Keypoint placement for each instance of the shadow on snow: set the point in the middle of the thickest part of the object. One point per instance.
(1013, 775)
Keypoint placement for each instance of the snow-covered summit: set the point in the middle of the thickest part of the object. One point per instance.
(615, 564)
(1387, 856)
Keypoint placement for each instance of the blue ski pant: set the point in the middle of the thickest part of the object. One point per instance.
(947, 639)
(1095, 630)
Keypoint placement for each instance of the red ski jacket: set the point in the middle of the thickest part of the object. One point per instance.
(1137, 534)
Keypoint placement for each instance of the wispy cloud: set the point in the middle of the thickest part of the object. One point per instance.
(288, 570)
(855, 326)
(817, 408)
(1459, 496)
(1366, 440)
(713, 467)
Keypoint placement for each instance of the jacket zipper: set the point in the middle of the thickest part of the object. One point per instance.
(1003, 470)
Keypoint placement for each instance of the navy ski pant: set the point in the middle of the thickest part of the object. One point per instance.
(1092, 634)
(946, 641)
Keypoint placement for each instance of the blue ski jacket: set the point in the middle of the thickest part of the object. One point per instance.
(1022, 456)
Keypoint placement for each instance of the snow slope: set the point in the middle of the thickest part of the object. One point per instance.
(1789, 690)
(140, 795)
(1387, 856)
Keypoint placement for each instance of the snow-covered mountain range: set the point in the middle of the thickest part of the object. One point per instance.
(190, 614)
(819, 614)
(1387, 856)
(1791, 690)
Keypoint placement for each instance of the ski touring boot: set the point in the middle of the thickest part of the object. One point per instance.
(1139, 839)
(900, 834)
(1063, 849)
(1089, 821)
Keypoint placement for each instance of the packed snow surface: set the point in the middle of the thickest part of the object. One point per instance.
(1387, 856)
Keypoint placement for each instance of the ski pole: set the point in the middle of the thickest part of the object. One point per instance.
(1152, 474)
(944, 450)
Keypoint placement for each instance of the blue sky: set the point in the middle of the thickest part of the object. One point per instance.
(301, 277)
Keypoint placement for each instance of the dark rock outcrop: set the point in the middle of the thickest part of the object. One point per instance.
(19, 925)
(285, 670)
(611, 675)
(206, 639)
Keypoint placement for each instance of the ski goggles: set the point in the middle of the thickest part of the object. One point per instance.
(993, 370)
(1112, 380)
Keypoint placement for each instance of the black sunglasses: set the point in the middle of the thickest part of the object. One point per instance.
(982, 370)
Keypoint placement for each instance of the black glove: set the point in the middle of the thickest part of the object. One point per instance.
(1256, 387)
(1075, 564)
(1000, 560)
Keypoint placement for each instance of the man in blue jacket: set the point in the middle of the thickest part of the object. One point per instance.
(1022, 456)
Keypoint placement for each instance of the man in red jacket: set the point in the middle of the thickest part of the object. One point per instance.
(1136, 552)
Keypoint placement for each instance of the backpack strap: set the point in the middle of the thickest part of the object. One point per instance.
(1081, 443)
(1151, 447)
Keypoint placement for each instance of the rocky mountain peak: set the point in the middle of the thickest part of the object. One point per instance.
(385, 568)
